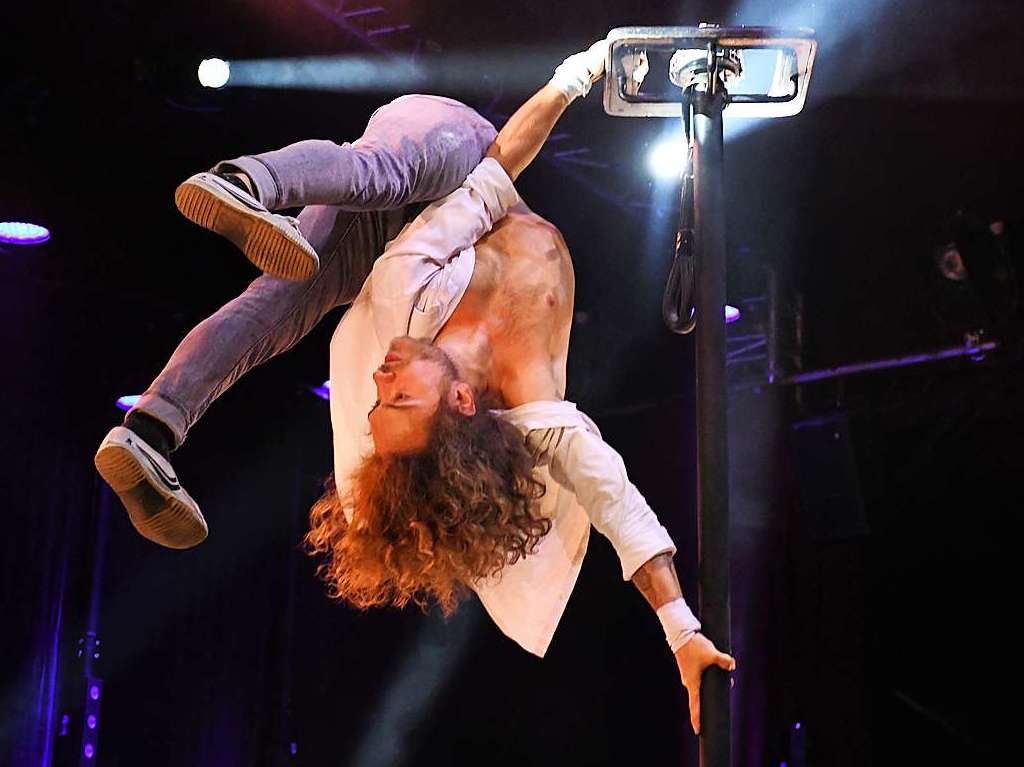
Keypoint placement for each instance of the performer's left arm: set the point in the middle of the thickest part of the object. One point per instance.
(581, 461)
(657, 581)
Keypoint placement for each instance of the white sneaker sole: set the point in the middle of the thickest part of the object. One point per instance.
(266, 239)
(161, 513)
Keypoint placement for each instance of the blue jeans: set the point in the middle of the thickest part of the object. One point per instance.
(415, 149)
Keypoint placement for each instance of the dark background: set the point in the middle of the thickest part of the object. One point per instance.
(875, 518)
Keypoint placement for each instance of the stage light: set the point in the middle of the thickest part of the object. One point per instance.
(128, 401)
(89, 751)
(90, 722)
(323, 391)
(214, 73)
(667, 158)
(950, 263)
(21, 233)
(731, 314)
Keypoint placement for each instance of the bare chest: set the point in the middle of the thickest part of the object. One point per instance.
(522, 287)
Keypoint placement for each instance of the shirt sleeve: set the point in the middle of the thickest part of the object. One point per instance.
(420, 266)
(584, 463)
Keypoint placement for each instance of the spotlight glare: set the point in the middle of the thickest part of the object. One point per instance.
(667, 158)
(128, 401)
(214, 73)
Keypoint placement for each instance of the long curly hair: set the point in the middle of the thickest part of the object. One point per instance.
(426, 526)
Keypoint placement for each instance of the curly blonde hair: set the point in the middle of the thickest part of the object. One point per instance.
(426, 526)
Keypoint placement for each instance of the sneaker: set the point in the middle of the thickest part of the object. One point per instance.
(157, 504)
(272, 242)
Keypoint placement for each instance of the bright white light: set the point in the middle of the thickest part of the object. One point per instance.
(667, 158)
(214, 73)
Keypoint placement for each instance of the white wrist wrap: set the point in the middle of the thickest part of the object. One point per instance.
(576, 74)
(679, 623)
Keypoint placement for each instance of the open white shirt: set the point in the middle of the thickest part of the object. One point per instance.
(413, 289)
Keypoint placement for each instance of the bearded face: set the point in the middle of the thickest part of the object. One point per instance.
(413, 382)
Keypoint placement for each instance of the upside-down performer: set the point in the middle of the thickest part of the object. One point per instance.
(459, 466)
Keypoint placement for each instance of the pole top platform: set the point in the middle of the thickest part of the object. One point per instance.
(766, 70)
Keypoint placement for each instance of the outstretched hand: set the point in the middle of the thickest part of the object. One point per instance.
(692, 658)
(576, 74)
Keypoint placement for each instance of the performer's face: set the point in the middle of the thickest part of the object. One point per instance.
(411, 384)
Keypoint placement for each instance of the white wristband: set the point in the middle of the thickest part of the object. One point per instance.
(679, 623)
(576, 74)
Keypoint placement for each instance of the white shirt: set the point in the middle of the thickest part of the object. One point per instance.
(413, 289)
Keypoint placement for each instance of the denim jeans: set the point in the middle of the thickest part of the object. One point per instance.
(415, 149)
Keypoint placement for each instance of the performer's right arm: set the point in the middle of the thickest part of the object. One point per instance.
(454, 223)
(420, 265)
(522, 137)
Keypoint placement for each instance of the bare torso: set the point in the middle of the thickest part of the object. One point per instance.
(518, 309)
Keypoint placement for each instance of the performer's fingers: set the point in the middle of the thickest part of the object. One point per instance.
(695, 710)
(726, 662)
(595, 56)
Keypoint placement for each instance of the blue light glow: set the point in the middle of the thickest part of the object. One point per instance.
(128, 401)
(21, 233)
(731, 314)
(323, 391)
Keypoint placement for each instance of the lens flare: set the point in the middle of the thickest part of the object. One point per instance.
(667, 159)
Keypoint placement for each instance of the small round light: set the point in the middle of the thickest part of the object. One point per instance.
(667, 159)
(731, 314)
(94, 692)
(89, 751)
(214, 73)
(128, 401)
(91, 721)
(22, 233)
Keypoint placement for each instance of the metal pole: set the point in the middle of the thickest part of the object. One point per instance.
(712, 440)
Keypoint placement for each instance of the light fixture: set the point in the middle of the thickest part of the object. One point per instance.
(22, 233)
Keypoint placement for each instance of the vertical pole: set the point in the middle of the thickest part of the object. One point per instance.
(712, 441)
